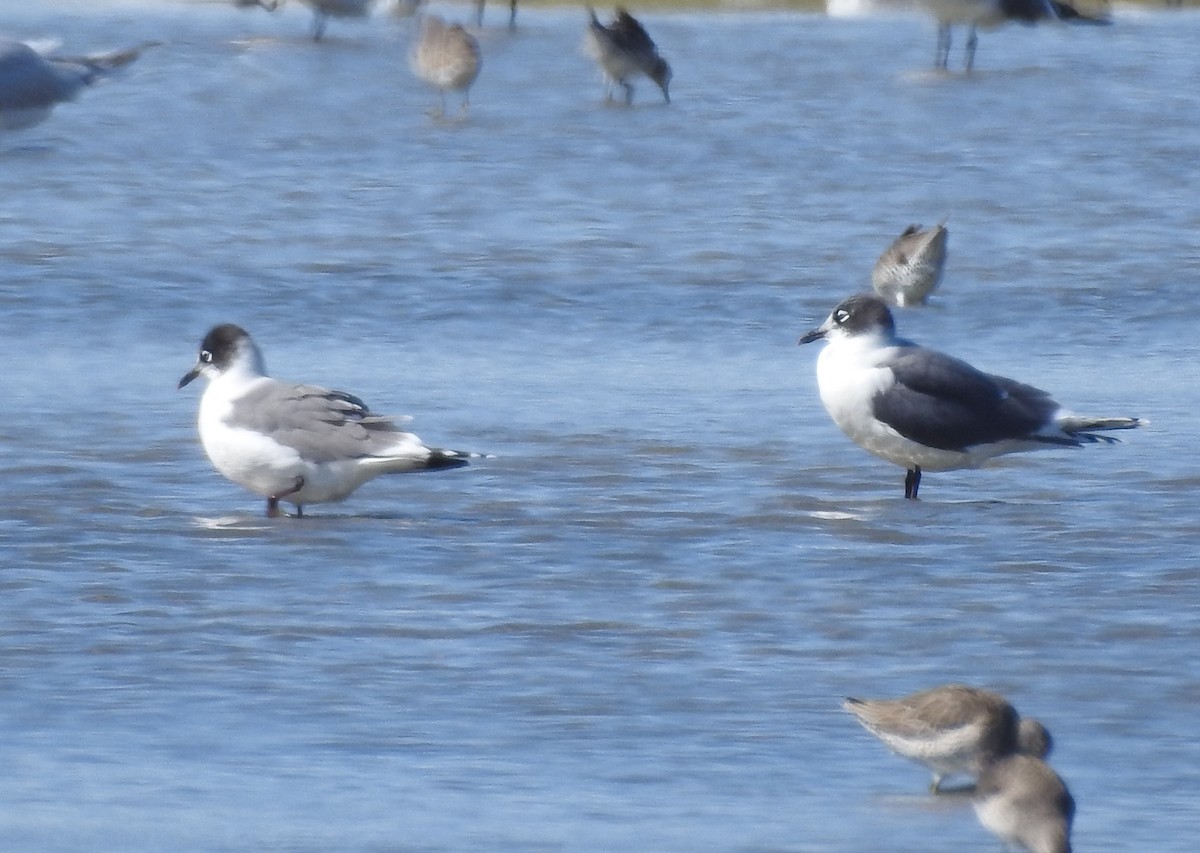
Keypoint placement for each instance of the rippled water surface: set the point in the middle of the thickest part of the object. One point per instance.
(631, 628)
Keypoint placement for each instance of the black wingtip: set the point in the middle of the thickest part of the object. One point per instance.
(443, 459)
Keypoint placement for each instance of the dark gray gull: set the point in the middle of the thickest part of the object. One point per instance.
(924, 410)
(32, 85)
(990, 14)
(303, 444)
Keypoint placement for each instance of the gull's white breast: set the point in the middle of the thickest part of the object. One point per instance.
(247, 457)
(850, 373)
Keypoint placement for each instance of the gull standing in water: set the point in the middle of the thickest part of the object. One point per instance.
(302, 444)
(446, 57)
(924, 410)
(911, 268)
(990, 14)
(325, 9)
(623, 50)
(1021, 800)
(951, 729)
(32, 85)
(512, 13)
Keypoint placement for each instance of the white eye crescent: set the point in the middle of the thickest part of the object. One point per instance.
(206, 356)
(840, 316)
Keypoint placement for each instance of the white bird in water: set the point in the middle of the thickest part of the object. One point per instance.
(302, 444)
(990, 14)
(624, 50)
(924, 410)
(446, 57)
(1021, 800)
(32, 85)
(951, 729)
(911, 268)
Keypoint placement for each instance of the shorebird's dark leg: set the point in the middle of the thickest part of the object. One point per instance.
(512, 14)
(628, 93)
(273, 500)
(942, 60)
(912, 481)
(318, 26)
(479, 13)
(972, 41)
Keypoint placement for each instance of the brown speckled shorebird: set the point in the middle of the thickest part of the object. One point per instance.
(951, 729)
(1021, 800)
(446, 57)
(623, 50)
(911, 268)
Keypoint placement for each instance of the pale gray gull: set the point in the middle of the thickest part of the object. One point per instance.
(303, 444)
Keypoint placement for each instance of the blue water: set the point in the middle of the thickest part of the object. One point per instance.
(631, 628)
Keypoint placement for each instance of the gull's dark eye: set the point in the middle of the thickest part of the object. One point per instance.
(206, 356)
(840, 316)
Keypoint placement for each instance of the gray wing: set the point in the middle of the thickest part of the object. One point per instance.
(29, 81)
(321, 424)
(945, 403)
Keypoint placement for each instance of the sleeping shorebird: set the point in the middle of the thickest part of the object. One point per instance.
(446, 57)
(924, 410)
(911, 268)
(623, 50)
(990, 14)
(951, 729)
(1021, 800)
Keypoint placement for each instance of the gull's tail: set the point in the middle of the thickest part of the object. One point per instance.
(1067, 12)
(1082, 428)
(440, 459)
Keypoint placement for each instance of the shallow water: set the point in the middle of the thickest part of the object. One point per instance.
(631, 628)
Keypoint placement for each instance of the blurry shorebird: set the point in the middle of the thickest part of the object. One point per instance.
(32, 85)
(302, 444)
(990, 14)
(325, 9)
(1020, 799)
(951, 729)
(911, 268)
(446, 57)
(512, 13)
(623, 50)
(924, 410)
